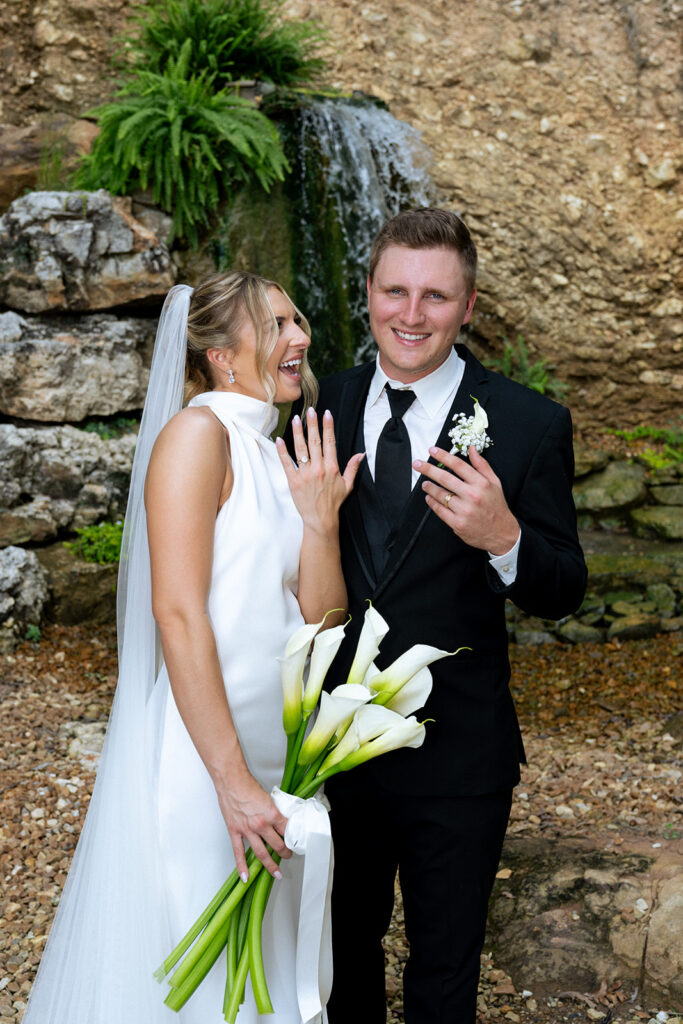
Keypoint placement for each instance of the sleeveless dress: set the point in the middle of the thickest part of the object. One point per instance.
(253, 610)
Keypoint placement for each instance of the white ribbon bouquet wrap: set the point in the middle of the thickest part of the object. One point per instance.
(369, 715)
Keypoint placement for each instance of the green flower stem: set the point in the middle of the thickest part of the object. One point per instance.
(201, 922)
(312, 770)
(254, 941)
(294, 743)
(307, 789)
(217, 925)
(237, 993)
(201, 966)
(231, 959)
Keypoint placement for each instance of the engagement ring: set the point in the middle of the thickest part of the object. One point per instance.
(303, 460)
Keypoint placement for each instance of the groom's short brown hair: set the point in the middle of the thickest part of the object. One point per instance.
(427, 228)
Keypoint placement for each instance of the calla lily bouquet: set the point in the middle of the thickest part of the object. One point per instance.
(368, 715)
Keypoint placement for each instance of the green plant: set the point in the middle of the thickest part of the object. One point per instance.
(53, 174)
(191, 144)
(100, 543)
(516, 364)
(108, 429)
(32, 633)
(231, 39)
(670, 439)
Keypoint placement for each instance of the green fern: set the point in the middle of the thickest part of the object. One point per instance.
(231, 39)
(190, 144)
(516, 364)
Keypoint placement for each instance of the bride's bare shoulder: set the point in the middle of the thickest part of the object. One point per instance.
(193, 437)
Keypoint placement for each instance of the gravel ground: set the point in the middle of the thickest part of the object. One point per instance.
(600, 758)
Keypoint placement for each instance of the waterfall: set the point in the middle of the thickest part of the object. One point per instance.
(356, 166)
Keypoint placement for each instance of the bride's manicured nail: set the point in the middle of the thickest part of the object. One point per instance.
(328, 414)
(417, 464)
(278, 875)
(311, 411)
(245, 876)
(297, 420)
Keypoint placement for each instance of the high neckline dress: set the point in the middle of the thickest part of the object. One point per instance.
(253, 609)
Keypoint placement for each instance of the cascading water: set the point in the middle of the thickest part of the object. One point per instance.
(354, 166)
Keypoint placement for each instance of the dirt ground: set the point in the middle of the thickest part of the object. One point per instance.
(582, 709)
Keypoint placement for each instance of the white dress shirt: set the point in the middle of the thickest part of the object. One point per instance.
(434, 395)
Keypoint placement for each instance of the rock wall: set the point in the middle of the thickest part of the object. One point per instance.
(555, 132)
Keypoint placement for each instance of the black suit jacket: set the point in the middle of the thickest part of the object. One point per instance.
(437, 590)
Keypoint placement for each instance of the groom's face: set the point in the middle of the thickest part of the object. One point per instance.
(418, 301)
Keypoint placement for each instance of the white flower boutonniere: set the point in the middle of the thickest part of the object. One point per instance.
(470, 430)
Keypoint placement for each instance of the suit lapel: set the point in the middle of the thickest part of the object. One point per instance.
(474, 384)
(349, 414)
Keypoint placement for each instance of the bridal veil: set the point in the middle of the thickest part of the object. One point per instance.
(110, 931)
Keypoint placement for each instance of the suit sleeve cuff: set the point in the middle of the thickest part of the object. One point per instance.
(506, 565)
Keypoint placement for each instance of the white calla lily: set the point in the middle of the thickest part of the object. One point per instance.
(324, 650)
(336, 709)
(368, 722)
(392, 679)
(413, 695)
(375, 628)
(397, 732)
(292, 672)
(481, 420)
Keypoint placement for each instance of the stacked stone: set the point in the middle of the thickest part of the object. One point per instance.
(631, 520)
(72, 266)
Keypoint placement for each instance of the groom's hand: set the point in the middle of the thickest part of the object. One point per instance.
(469, 498)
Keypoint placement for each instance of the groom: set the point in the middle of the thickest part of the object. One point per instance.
(438, 542)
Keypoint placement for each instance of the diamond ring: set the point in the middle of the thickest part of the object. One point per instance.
(303, 460)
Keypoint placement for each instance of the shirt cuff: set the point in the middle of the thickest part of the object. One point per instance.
(506, 565)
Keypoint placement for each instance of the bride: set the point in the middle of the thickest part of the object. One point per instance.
(229, 546)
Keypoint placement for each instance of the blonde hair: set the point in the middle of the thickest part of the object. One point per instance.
(216, 318)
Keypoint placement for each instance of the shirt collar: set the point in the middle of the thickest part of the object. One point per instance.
(432, 390)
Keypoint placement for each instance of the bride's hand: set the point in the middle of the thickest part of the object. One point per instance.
(252, 817)
(317, 485)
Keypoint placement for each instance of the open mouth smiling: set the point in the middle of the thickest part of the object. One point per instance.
(291, 368)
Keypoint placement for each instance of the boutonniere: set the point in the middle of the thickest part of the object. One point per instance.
(470, 430)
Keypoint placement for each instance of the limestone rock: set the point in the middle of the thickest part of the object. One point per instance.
(665, 521)
(619, 486)
(59, 478)
(664, 598)
(608, 572)
(551, 922)
(664, 957)
(636, 626)
(671, 494)
(79, 251)
(68, 368)
(79, 591)
(588, 460)
(23, 593)
(579, 632)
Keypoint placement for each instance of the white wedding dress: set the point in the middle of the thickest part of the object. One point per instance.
(154, 848)
(253, 610)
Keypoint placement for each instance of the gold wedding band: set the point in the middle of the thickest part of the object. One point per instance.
(303, 460)
(447, 499)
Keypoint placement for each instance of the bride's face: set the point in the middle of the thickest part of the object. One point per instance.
(285, 360)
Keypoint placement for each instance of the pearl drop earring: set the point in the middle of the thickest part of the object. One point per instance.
(231, 377)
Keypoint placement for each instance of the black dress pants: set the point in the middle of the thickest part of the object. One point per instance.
(447, 852)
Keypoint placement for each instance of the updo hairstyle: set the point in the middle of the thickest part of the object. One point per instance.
(218, 308)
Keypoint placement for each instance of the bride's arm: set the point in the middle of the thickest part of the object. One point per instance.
(319, 489)
(189, 473)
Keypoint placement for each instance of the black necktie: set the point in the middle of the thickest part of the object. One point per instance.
(393, 462)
